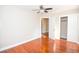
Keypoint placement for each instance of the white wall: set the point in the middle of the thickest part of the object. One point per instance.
(54, 27)
(17, 25)
(51, 27)
(72, 28)
(78, 27)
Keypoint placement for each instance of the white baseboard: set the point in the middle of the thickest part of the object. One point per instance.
(73, 41)
(11, 46)
(67, 40)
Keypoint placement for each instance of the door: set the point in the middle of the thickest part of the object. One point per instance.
(63, 27)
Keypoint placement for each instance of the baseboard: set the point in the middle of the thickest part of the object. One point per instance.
(67, 40)
(73, 41)
(11, 46)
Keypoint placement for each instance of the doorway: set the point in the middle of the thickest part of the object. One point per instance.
(45, 34)
(63, 27)
(45, 27)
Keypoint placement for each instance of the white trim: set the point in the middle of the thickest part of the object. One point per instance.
(11, 46)
(67, 40)
(73, 41)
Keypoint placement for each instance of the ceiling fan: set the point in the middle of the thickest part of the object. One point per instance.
(42, 9)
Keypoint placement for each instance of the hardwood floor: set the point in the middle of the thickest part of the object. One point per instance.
(45, 45)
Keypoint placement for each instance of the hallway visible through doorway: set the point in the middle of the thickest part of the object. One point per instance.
(45, 33)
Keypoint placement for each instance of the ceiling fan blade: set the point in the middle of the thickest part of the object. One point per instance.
(45, 11)
(48, 9)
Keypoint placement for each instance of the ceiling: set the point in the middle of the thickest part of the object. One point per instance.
(55, 7)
